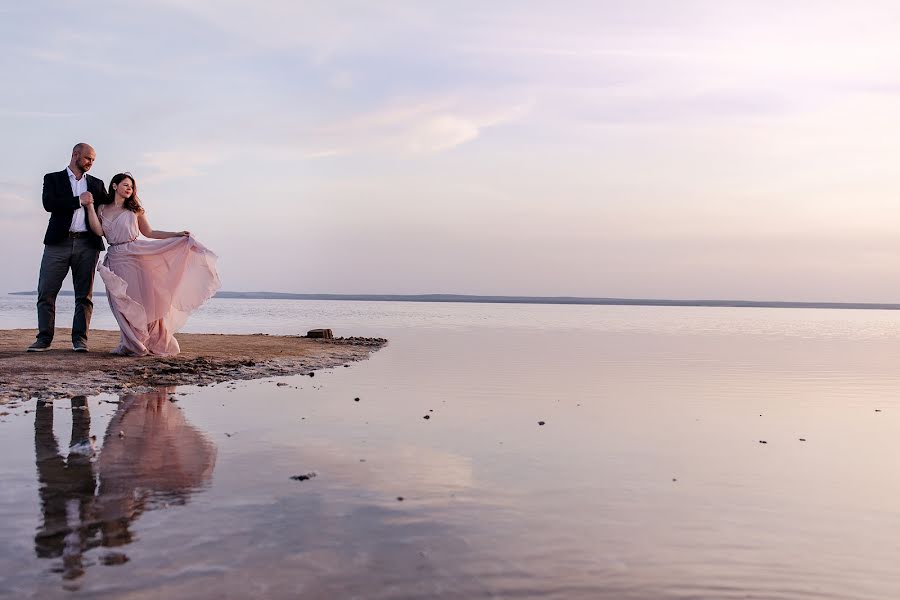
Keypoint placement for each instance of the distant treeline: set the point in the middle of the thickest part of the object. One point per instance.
(534, 300)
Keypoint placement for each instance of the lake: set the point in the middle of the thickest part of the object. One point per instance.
(684, 453)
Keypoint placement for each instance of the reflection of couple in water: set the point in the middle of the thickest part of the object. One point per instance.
(150, 457)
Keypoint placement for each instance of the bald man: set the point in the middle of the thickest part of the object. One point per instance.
(69, 244)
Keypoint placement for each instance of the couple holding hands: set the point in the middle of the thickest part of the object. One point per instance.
(152, 284)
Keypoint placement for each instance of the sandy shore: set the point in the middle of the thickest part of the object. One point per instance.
(204, 359)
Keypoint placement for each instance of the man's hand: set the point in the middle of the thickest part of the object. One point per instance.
(86, 198)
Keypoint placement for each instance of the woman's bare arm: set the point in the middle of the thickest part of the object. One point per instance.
(94, 219)
(153, 234)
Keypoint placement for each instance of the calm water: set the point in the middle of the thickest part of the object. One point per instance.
(647, 480)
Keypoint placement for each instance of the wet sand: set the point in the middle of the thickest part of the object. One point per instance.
(204, 359)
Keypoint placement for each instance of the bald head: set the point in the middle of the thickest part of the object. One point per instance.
(83, 157)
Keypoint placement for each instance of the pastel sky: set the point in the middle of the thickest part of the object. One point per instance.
(689, 149)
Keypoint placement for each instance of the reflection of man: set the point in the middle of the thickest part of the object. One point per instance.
(69, 243)
(151, 456)
(66, 489)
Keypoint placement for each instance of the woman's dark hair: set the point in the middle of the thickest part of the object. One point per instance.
(133, 203)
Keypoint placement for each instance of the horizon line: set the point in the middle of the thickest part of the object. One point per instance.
(571, 300)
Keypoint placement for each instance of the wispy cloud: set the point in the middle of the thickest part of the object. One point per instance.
(420, 127)
(325, 29)
(15, 114)
(167, 165)
(18, 210)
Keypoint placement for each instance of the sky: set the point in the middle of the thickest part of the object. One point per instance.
(643, 149)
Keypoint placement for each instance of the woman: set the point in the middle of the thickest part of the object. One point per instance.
(153, 284)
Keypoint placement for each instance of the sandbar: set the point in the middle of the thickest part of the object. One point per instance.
(204, 359)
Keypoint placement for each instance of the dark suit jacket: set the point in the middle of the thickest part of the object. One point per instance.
(61, 204)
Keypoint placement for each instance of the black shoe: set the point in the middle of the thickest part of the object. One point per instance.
(38, 346)
(79, 346)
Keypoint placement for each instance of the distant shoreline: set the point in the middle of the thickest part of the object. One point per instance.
(462, 298)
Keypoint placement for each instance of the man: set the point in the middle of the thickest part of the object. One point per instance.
(69, 243)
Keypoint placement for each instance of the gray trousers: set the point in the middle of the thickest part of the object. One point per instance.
(78, 255)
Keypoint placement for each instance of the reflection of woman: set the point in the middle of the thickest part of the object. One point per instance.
(152, 284)
(150, 456)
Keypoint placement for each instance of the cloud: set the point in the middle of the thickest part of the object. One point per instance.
(324, 29)
(341, 80)
(23, 114)
(422, 127)
(165, 165)
(17, 208)
(441, 132)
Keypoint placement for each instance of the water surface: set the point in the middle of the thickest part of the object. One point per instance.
(648, 478)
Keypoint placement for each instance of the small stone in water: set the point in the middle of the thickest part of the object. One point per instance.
(114, 558)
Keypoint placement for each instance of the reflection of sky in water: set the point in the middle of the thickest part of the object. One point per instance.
(647, 481)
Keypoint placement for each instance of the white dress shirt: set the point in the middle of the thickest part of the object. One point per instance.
(79, 186)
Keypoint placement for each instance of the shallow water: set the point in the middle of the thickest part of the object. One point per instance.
(647, 480)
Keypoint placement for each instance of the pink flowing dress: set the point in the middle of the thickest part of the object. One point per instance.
(153, 285)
